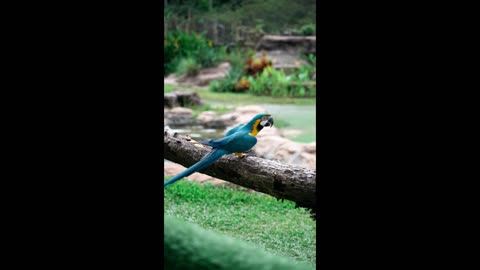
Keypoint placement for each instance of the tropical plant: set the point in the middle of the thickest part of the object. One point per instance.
(188, 66)
(180, 45)
(308, 29)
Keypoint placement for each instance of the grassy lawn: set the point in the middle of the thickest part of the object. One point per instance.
(167, 88)
(241, 98)
(257, 218)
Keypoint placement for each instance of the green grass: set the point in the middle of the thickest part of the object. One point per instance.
(167, 88)
(246, 99)
(207, 107)
(243, 98)
(257, 218)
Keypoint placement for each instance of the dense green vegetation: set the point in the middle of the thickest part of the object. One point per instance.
(186, 53)
(272, 82)
(268, 16)
(276, 226)
(258, 77)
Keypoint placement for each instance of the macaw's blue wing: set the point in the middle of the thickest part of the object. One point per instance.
(233, 130)
(220, 143)
(238, 142)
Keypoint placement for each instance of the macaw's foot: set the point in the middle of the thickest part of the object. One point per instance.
(240, 155)
(244, 155)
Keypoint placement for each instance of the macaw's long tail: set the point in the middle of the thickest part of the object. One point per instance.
(206, 161)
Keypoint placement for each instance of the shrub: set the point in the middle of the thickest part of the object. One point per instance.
(228, 84)
(308, 29)
(273, 82)
(188, 66)
(233, 81)
(256, 66)
(263, 80)
(179, 45)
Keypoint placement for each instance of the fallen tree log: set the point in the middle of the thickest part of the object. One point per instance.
(270, 177)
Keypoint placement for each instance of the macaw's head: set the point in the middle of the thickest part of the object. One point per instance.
(259, 122)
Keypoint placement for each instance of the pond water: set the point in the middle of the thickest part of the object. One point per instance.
(297, 123)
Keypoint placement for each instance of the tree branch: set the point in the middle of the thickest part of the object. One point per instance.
(271, 177)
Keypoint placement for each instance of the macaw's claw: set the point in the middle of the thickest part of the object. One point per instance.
(244, 155)
(240, 155)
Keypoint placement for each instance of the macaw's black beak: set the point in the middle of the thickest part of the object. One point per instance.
(267, 121)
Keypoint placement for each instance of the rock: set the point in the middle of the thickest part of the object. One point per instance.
(310, 148)
(266, 146)
(292, 147)
(307, 160)
(172, 169)
(169, 100)
(187, 98)
(290, 133)
(290, 44)
(285, 51)
(181, 98)
(170, 79)
(229, 120)
(206, 117)
(250, 109)
(285, 60)
(286, 151)
(178, 116)
(210, 119)
(206, 75)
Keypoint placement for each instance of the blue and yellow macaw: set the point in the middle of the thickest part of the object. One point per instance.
(237, 140)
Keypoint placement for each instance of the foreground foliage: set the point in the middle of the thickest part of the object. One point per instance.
(277, 226)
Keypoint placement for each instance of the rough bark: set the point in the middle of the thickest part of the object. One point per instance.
(271, 177)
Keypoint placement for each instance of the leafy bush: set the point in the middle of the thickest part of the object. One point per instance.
(263, 80)
(188, 66)
(221, 86)
(255, 66)
(312, 59)
(233, 81)
(229, 83)
(273, 82)
(269, 83)
(179, 45)
(308, 29)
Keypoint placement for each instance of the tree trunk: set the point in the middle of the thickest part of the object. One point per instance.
(270, 177)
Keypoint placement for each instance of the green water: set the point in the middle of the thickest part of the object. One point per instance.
(296, 118)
